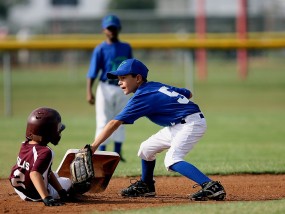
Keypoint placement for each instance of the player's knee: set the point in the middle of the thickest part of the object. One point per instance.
(171, 159)
(145, 153)
(65, 183)
(167, 162)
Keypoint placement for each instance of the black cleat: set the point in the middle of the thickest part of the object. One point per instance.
(212, 190)
(139, 189)
(122, 159)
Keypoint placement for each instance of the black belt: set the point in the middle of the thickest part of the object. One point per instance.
(112, 82)
(183, 121)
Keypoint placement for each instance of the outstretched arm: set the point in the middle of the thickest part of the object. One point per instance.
(106, 132)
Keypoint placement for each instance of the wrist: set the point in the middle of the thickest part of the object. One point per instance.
(62, 194)
(47, 200)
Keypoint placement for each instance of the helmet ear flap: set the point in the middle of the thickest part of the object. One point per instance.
(44, 126)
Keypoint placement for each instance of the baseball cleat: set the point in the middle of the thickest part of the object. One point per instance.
(122, 159)
(139, 189)
(212, 190)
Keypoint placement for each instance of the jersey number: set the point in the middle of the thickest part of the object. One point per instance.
(18, 179)
(181, 99)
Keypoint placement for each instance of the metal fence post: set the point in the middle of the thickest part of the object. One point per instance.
(189, 69)
(7, 84)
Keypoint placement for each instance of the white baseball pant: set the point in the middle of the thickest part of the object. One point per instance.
(64, 182)
(178, 139)
(110, 100)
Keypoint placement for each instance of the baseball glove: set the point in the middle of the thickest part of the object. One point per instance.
(82, 171)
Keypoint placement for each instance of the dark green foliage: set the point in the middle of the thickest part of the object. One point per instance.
(132, 5)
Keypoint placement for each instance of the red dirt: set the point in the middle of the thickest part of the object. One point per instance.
(170, 191)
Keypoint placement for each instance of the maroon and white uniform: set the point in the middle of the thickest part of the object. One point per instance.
(34, 157)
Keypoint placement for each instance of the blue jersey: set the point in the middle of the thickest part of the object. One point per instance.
(163, 104)
(107, 57)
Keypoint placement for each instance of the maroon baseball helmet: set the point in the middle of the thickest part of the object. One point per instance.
(44, 126)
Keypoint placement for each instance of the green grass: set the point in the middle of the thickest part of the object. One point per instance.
(245, 118)
(245, 123)
(277, 207)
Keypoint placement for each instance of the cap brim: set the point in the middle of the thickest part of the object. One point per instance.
(115, 74)
(111, 25)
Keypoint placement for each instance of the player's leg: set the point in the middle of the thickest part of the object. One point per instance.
(24, 197)
(102, 148)
(120, 100)
(185, 137)
(118, 149)
(119, 137)
(101, 108)
(65, 184)
(147, 152)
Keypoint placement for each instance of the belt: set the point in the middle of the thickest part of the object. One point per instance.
(183, 121)
(112, 82)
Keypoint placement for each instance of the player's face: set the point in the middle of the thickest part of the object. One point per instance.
(129, 84)
(112, 33)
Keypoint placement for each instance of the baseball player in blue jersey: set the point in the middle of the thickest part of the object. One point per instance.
(109, 97)
(184, 124)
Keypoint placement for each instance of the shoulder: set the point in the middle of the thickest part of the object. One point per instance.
(43, 150)
(152, 85)
(125, 44)
(100, 46)
(147, 88)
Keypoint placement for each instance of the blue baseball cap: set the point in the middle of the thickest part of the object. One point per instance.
(129, 66)
(111, 20)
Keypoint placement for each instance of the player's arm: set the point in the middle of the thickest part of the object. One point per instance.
(38, 182)
(185, 92)
(106, 132)
(190, 96)
(92, 73)
(54, 182)
(89, 94)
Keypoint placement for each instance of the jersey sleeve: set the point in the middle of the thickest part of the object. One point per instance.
(95, 63)
(135, 108)
(185, 92)
(42, 160)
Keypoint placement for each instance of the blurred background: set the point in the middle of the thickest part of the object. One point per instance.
(141, 16)
(24, 19)
(27, 28)
(230, 53)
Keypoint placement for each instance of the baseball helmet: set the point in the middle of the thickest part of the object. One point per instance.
(44, 126)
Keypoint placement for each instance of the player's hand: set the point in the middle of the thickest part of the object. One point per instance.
(93, 149)
(49, 201)
(63, 195)
(91, 99)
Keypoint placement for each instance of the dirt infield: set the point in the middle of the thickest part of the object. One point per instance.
(170, 191)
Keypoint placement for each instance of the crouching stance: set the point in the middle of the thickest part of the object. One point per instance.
(32, 177)
(184, 125)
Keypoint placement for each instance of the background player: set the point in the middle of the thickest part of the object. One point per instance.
(109, 97)
(183, 122)
(32, 177)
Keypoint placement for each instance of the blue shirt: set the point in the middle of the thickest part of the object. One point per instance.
(107, 57)
(163, 104)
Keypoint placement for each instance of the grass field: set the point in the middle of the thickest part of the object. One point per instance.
(245, 118)
(276, 207)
